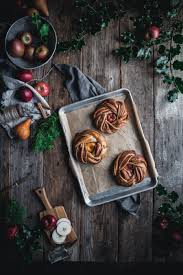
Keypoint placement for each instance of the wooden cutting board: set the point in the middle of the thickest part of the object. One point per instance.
(58, 212)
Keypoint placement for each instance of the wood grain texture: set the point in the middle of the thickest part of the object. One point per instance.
(135, 232)
(168, 145)
(105, 234)
(99, 225)
(59, 182)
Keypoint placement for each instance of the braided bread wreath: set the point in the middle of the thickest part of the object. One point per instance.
(110, 116)
(129, 168)
(89, 146)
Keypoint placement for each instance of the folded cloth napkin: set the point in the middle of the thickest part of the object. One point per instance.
(81, 86)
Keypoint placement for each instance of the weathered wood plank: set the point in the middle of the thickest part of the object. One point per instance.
(58, 179)
(135, 232)
(22, 162)
(99, 225)
(168, 146)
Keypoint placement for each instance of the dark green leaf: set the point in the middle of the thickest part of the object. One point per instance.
(172, 13)
(179, 208)
(125, 53)
(165, 208)
(174, 3)
(161, 190)
(173, 196)
(178, 38)
(178, 65)
(161, 49)
(174, 51)
(172, 95)
(44, 30)
(179, 84)
(162, 60)
(168, 79)
(127, 38)
(144, 53)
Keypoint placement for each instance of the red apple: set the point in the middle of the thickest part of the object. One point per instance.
(42, 88)
(49, 222)
(17, 48)
(29, 53)
(26, 38)
(25, 76)
(41, 52)
(177, 236)
(24, 94)
(154, 32)
(12, 232)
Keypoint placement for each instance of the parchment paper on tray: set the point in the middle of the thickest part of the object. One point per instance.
(96, 181)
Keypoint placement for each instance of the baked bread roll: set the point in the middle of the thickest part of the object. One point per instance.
(129, 168)
(110, 116)
(89, 146)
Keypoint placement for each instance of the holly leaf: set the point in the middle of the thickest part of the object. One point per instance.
(178, 65)
(161, 190)
(174, 51)
(161, 49)
(174, 3)
(172, 95)
(165, 208)
(144, 53)
(125, 53)
(127, 38)
(178, 38)
(173, 196)
(179, 208)
(179, 84)
(168, 79)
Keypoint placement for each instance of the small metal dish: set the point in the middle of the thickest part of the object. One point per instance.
(25, 24)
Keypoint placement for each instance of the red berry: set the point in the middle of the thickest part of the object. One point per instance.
(177, 236)
(12, 232)
(163, 223)
(154, 32)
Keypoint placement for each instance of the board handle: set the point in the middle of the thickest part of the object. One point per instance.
(41, 193)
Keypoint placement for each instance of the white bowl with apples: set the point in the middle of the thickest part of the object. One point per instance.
(24, 46)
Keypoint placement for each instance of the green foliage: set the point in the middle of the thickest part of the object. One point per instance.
(27, 242)
(41, 27)
(27, 239)
(94, 16)
(170, 208)
(14, 213)
(172, 95)
(178, 65)
(46, 133)
(138, 43)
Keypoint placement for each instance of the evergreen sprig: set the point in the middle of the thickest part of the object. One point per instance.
(46, 133)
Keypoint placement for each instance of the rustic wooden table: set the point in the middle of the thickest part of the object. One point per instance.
(105, 234)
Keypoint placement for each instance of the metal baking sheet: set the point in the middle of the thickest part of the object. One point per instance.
(97, 184)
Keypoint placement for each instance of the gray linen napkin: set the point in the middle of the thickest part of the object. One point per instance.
(81, 86)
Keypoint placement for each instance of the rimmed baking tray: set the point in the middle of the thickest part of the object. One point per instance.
(97, 183)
